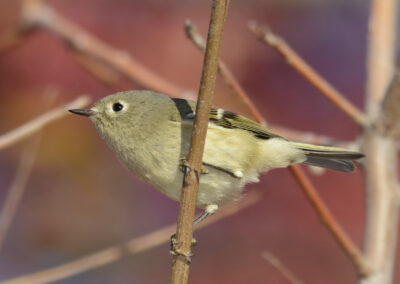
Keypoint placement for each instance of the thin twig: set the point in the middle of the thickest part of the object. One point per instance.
(282, 268)
(292, 58)
(193, 34)
(134, 246)
(38, 123)
(329, 221)
(184, 232)
(37, 14)
(17, 187)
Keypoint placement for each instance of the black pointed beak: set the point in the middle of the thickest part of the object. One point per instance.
(84, 112)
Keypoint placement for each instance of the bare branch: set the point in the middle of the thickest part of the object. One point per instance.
(329, 221)
(38, 123)
(275, 262)
(184, 232)
(193, 34)
(17, 188)
(292, 58)
(134, 246)
(37, 14)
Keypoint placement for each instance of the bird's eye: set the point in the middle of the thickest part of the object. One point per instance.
(117, 107)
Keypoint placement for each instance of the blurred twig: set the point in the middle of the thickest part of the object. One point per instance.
(306, 137)
(329, 221)
(17, 187)
(292, 58)
(188, 199)
(275, 262)
(136, 245)
(38, 123)
(37, 14)
(193, 34)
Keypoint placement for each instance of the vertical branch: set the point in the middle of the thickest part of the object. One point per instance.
(381, 52)
(180, 266)
(380, 145)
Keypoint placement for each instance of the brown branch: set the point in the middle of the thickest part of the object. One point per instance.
(292, 58)
(37, 14)
(134, 246)
(275, 262)
(193, 34)
(38, 123)
(184, 232)
(329, 221)
(17, 188)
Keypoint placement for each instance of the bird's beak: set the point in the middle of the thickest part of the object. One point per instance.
(85, 112)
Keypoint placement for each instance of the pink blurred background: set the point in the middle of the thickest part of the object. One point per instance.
(80, 199)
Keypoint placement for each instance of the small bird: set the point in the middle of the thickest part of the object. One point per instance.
(151, 132)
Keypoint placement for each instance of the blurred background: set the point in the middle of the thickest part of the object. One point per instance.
(80, 199)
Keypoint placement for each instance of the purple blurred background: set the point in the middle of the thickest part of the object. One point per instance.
(80, 199)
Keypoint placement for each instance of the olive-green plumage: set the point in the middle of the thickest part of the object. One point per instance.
(150, 133)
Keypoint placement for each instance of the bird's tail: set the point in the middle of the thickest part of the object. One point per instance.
(338, 159)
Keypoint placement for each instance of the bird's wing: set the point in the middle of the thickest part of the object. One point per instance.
(221, 118)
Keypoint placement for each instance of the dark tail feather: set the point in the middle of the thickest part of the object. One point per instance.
(333, 164)
(329, 157)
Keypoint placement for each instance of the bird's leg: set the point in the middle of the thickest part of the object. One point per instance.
(175, 245)
(209, 210)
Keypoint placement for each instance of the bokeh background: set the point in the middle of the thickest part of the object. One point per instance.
(80, 199)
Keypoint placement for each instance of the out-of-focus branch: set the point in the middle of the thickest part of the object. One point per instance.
(37, 14)
(381, 52)
(184, 232)
(193, 34)
(38, 123)
(330, 222)
(17, 187)
(134, 246)
(286, 272)
(380, 144)
(388, 122)
(292, 58)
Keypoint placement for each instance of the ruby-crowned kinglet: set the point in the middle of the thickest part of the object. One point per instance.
(151, 132)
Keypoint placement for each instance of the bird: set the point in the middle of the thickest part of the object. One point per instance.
(151, 132)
